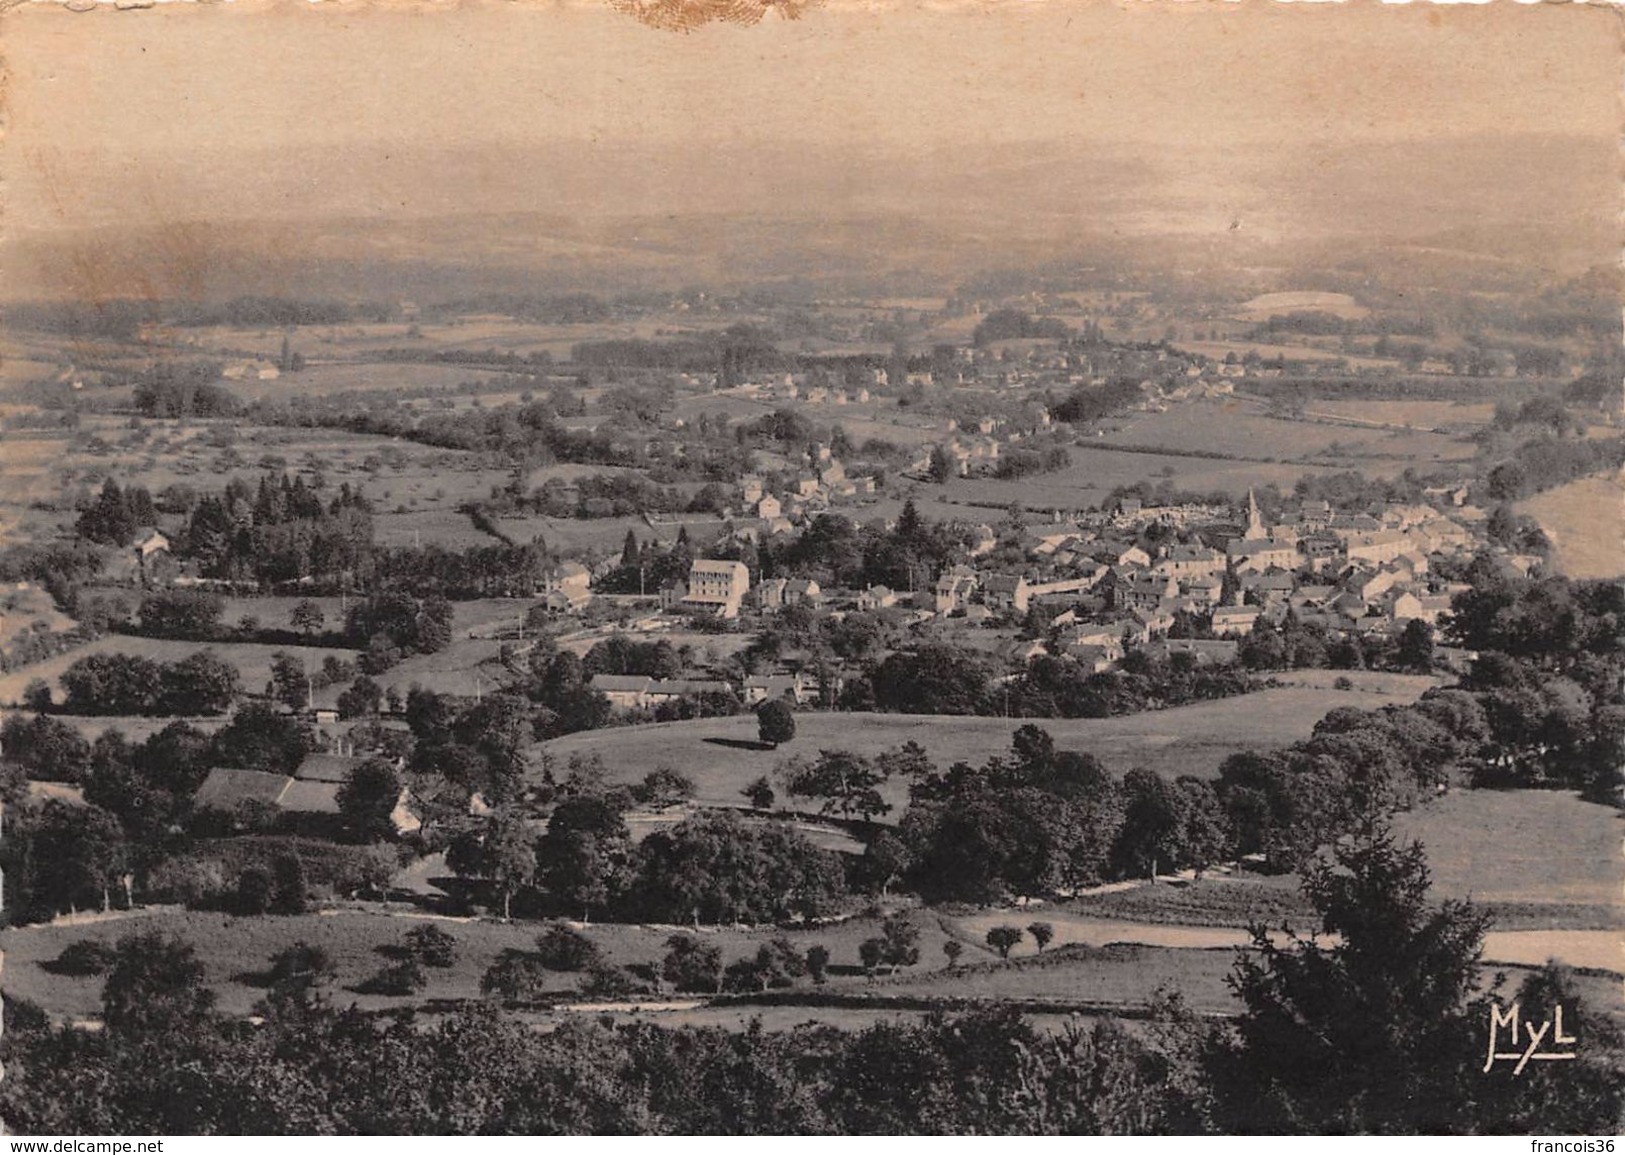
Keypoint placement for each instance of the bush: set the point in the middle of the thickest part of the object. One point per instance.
(255, 888)
(82, 958)
(291, 893)
(1003, 938)
(603, 981)
(775, 724)
(432, 946)
(404, 978)
(563, 948)
(516, 976)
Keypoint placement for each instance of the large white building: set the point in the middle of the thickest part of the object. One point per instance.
(719, 584)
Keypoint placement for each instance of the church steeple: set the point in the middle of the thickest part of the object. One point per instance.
(1255, 523)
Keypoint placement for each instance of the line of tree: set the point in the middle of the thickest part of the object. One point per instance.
(1400, 982)
(202, 683)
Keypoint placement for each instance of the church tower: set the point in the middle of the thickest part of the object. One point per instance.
(1255, 523)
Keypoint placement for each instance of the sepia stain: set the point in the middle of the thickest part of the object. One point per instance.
(687, 15)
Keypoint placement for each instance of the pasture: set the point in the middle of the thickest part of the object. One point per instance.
(1542, 847)
(722, 754)
(360, 942)
(1097, 469)
(1585, 521)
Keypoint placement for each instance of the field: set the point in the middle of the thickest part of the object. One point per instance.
(1585, 521)
(232, 949)
(1096, 471)
(1417, 414)
(720, 754)
(1238, 429)
(1521, 846)
(253, 661)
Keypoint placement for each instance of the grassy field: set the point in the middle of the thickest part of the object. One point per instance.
(1535, 860)
(1096, 471)
(1584, 520)
(1541, 847)
(1120, 974)
(253, 661)
(232, 949)
(719, 753)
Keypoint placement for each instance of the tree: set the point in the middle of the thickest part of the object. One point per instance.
(307, 617)
(585, 858)
(940, 467)
(563, 948)
(848, 783)
(290, 893)
(953, 948)
(775, 722)
(290, 681)
(759, 793)
(1415, 651)
(201, 683)
(155, 985)
(502, 852)
(1042, 933)
(692, 965)
(516, 975)
(818, 962)
(259, 738)
(362, 700)
(1375, 1028)
(399, 980)
(255, 886)
(1003, 938)
(367, 800)
(897, 945)
(37, 696)
(432, 946)
(1153, 824)
(662, 788)
(297, 972)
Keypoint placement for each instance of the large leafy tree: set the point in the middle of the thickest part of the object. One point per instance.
(367, 800)
(848, 783)
(584, 860)
(1372, 1024)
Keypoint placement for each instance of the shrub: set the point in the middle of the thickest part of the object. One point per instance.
(255, 887)
(82, 958)
(563, 948)
(516, 976)
(432, 946)
(404, 978)
(1003, 938)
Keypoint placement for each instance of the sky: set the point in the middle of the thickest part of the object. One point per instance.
(257, 110)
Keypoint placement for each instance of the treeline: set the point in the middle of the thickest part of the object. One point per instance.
(1090, 403)
(1013, 324)
(127, 684)
(173, 389)
(166, 1062)
(1546, 463)
(387, 627)
(838, 552)
(941, 678)
(1017, 463)
(281, 531)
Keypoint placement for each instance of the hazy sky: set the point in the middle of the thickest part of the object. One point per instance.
(248, 109)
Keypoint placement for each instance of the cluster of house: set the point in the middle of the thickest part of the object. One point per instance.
(1365, 574)
(632, 692)
(312, 789)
